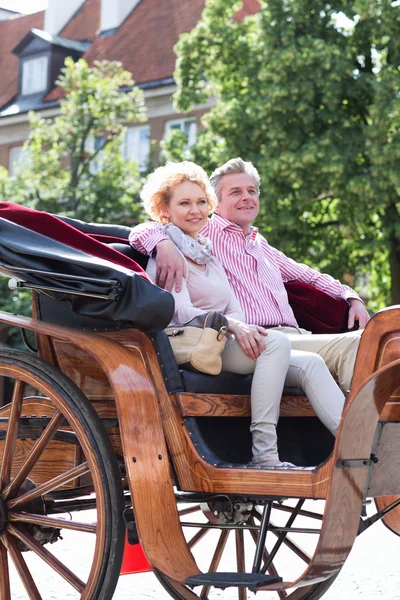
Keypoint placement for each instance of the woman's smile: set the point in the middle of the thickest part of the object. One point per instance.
(188, 208)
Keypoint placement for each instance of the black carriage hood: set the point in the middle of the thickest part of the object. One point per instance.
(131, 300)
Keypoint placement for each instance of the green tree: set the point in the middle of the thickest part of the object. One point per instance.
(308, 91)
(73, 163)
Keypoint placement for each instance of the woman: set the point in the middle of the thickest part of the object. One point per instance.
(179, 196)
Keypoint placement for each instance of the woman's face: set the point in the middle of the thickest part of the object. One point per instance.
(187, 208)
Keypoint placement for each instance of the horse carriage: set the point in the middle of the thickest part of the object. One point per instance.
(105, 435)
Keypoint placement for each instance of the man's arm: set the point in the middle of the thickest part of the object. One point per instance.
(294, 271)
(146, 236)
(149, 238)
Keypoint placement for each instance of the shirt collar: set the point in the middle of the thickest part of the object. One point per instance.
(223, 223)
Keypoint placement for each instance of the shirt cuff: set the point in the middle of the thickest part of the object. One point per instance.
(147, 245)
(352, 295)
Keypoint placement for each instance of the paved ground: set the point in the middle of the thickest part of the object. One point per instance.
(371, 573)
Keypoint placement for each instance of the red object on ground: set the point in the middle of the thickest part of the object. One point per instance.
(134, 560)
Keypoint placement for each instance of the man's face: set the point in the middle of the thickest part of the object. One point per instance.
(239, 201)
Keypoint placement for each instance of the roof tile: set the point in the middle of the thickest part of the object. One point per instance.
(143, 43)
(250, 7)
(85, 23)
(11, 33)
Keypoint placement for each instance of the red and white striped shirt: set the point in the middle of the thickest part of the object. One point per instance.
(256, 271)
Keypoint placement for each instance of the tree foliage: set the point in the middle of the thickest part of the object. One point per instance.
(309, 92)
(73, 164)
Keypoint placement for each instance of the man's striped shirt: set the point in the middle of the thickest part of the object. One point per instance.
(256, 271)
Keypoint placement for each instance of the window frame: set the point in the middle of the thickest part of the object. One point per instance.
(15, 161)
(25, 63)
(170, 125)
(141, 161)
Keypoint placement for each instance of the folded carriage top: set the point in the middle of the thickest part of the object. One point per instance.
(71, 266)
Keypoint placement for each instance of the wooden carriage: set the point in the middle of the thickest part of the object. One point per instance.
(104, 434)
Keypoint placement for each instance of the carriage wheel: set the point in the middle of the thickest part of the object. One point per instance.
(223, 533)
(52, 467)
(392, 519)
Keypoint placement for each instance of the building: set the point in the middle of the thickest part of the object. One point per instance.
(139, 33)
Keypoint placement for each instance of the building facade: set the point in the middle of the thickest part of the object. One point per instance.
(139, 33)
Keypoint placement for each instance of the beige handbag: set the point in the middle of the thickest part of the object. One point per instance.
(198, 344)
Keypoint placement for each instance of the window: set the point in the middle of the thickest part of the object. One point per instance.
(137, 146)
(17, 157)
(34, 75)
(188, 126)
(92, 146)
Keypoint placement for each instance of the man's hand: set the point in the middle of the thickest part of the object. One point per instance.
(357, 312)
(249, 337)
(170, 266)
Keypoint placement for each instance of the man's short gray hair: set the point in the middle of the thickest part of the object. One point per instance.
(235, 165)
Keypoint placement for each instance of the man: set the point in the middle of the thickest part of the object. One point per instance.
(257, 271)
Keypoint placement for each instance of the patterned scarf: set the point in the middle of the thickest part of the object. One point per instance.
(197, 250)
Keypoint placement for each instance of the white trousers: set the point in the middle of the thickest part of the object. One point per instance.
(339, 351)
(277, 366)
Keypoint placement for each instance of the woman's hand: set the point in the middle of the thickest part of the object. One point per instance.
(249, 337)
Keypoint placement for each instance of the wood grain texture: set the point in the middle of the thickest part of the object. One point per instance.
(43, 342)
(348, 484)
(154, 416)
(57, 456)
(380, 344)
(143, 444)
(227, 405)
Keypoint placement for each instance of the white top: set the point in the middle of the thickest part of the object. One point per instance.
(202, 291)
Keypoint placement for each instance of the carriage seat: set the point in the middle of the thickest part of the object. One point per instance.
(176, 379)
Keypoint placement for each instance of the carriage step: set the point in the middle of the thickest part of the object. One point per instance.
(253, 581)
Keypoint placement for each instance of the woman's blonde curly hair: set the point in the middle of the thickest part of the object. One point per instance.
(156, 192)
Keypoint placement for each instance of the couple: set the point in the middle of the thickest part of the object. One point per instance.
(238, 274)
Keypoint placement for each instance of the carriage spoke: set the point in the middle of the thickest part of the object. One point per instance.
(223, 538)
(287, 541)
(49, 558)
(188, 511)
(240, 560)
(296, 549)
(22, 569)
(52, 484)
(43, 521)
(5, 593)
(33, 456)
(302, 513)
(282, 536)
(12, 432)
(197, 537)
